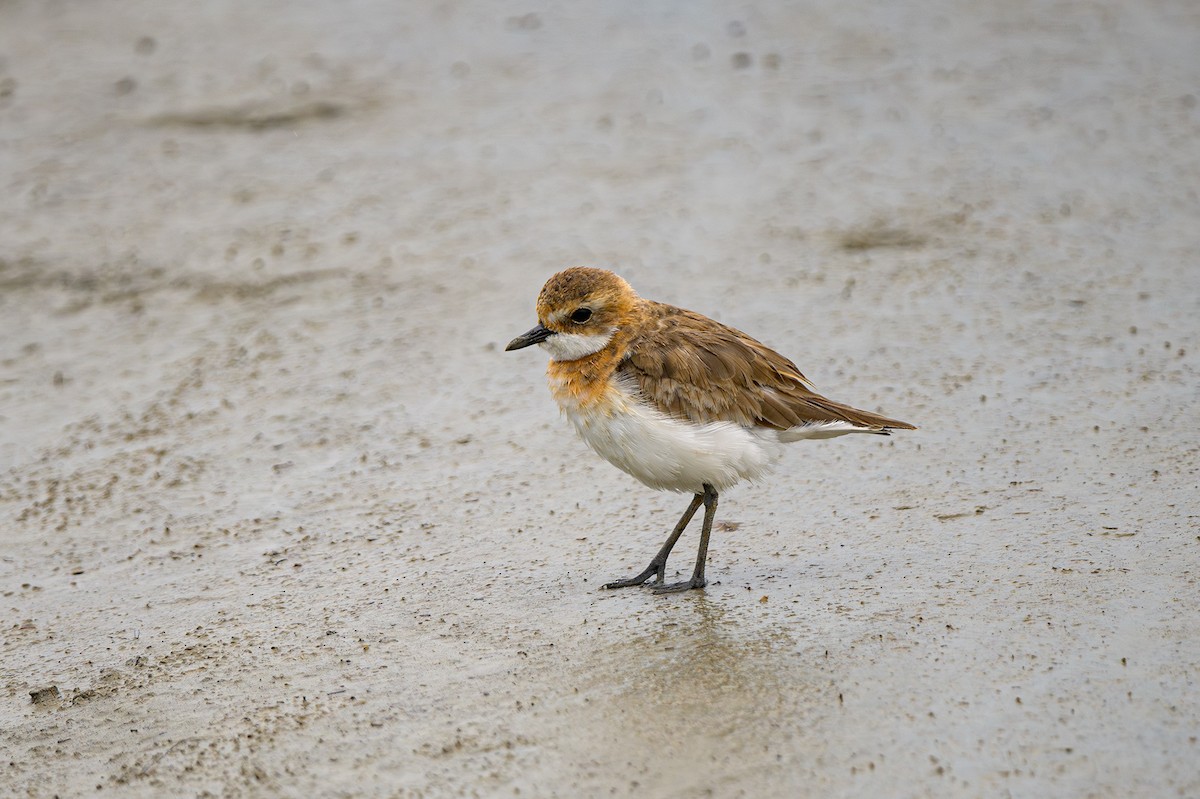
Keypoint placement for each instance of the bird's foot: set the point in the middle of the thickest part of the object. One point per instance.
(653, 570)
(672, 588)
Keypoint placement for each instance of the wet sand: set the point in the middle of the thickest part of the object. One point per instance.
(278, 517)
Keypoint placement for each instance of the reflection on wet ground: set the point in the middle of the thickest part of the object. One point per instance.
(698, 702)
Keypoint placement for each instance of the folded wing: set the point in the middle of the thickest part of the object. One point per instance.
(694, 368)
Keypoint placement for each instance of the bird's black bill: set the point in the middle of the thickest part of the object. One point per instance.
(535, 336)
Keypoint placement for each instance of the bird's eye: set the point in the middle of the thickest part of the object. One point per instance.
(581, 315)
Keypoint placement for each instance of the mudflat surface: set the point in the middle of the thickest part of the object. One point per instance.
(278, 517)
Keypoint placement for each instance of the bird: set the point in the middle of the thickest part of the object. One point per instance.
(675, 399)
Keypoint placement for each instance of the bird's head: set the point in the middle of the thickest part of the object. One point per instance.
(579, 310)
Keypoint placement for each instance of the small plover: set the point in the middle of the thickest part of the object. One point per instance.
(677, 400)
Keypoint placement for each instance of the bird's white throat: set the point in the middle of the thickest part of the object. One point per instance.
(573, 346)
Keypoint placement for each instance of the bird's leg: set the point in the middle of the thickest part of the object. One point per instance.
(658, 566)
(709, 497)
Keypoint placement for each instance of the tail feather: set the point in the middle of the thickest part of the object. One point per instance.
(874, 422)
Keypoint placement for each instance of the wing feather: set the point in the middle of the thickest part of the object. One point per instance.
(694, 368)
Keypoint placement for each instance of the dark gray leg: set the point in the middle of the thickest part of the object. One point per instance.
(709, 497)
(658, 566)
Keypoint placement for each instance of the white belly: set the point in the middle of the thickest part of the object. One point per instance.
(669, 454)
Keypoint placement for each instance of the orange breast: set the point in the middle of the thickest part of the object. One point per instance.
(575, 385)
(589, 383)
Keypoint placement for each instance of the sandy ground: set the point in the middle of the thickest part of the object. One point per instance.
(278, 516)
